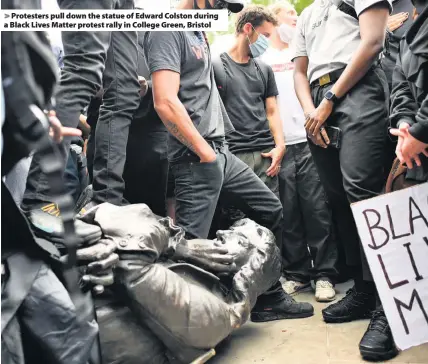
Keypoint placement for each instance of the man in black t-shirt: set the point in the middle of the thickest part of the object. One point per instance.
(188, 102)
(249, 96)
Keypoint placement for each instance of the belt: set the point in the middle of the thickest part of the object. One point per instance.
(328, 78)
(334, 76)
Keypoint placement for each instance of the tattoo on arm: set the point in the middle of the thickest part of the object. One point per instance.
(173, 129)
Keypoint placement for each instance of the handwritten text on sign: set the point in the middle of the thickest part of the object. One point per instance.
(394, 232)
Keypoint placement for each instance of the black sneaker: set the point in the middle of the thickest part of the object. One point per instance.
(354, 306)
(377, 343)
(287, 308)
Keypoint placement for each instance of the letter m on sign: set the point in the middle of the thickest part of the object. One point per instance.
(409, 307)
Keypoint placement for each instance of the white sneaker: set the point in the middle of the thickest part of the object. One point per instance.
(324, 291)
(293, 287)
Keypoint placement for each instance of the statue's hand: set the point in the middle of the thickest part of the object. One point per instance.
(98, 261)
(207, 254)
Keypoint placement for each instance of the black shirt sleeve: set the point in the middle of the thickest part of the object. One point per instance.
(272, 89)
(163, 51)
(403, 104)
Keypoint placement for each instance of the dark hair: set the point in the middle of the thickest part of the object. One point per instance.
(256, 15)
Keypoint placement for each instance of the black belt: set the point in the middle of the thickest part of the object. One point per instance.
(328, 78)
(334, 76)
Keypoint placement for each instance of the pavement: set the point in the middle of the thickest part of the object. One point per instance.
(304, 341)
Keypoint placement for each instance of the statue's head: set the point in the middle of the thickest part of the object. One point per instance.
(243, 237)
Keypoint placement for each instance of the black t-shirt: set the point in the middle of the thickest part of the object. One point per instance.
(244, 100)
(388, 63)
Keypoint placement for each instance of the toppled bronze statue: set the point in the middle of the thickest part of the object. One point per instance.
(168, 298)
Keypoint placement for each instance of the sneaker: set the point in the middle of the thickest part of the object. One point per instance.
(286, 308)
(293, 287)
(324, 291)
(354, 306)
(377, 343)
(46, 223)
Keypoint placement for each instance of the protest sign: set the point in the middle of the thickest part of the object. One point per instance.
(394, 232)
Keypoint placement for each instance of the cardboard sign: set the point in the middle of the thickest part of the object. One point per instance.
(394, 232)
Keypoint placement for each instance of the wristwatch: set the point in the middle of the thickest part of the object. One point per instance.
(329, 95)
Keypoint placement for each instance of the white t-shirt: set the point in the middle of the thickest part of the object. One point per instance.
(328, 36)
(293, 119)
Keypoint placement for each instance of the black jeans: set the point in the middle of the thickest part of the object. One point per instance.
(307, 219)
(226, 214)
(355, 172)
(146, 170)
(93, 58)
(199, 186)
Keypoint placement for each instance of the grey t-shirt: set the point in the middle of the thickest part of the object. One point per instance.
(328, 36)
(188, 53)
(245, 104)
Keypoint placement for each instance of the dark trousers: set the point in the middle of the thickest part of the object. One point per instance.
(76, 175)
(226, 214)
(355, 172)
(199, 187)
(93, 58)
(146, 170)
(307, 220)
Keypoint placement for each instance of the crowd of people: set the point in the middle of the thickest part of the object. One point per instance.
(300, 117)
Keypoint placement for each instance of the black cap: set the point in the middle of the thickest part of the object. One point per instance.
(235, 6)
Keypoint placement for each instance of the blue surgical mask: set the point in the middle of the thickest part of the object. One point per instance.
(259, 46)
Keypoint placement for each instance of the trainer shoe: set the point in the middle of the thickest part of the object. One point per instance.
(354, 306)
(324, 291)
(286, 308)
(294, 287)
(377, 343)
(46, 223)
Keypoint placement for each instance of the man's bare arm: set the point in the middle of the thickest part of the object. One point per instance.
(165, 84)
(373, 22)
(301, 84)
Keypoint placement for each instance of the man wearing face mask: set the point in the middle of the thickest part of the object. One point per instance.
(187, 101)
(307, 220)
(248, 90)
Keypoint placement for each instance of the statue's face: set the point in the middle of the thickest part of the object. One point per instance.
(243, 238)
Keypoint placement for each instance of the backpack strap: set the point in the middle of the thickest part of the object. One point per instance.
(345, 7)
(263, 71)
(220, 75)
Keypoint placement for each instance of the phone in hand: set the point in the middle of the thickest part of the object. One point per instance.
(335, 135)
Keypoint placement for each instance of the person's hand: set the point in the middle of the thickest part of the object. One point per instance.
(144, 86)
(320, 139)
(98, 262)
(403, 127)
(316, 119)
(208, 157)
(410, 147)
(276, 154)
(396, 21)
(57, 132)
(207, 254)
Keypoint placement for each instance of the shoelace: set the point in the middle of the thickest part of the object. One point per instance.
(378, 322)
(345, 301)
(324, 284)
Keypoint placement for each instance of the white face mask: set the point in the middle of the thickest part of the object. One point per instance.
(286, 33)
